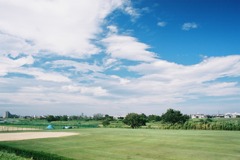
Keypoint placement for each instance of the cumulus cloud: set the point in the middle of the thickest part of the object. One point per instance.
(131, 11)
(179, 80)
(83, 67)
(112, 29)
(10, 65)
(63, 27)
(47, 76)
(210, 69)
(11, 45)
(96, 91)
(124, 74)
(159, 83)
(127, 47)
(188, 26)
(217, 89)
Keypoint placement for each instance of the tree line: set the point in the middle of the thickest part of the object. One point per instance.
(171, 119)
(172, 116)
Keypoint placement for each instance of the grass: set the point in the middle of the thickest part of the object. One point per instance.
(10, 156)
(140, 144)
(42, 124)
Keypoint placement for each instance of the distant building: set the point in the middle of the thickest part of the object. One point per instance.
(228, 115)
(232, 115)
(236, 115)
(197, 116)
(7, 114)
(218, 116)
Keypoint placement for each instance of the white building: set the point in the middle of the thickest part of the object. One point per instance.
(197, 116)
(232, 115)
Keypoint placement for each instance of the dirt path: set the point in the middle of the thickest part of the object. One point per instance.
(33, 135)
(10, 128)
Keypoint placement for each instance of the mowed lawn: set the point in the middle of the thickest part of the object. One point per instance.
(140, 144)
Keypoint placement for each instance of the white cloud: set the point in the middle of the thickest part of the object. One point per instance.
(9, 65)
(76, 66)
(131, 11)
(42, 75)
(126, 47)
(122, 81)
(218, 89)
(109, 61)
(96, 91)
(63, 27)
(47, 76)
(188, 26)
(162, 24)
(172, 82)
(13, 46)
(112, 29)
(210, 69)
(161, 84)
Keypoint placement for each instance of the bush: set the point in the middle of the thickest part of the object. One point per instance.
(174, 116)
(105, 123)
(11, 156)
(35, 155)
(135, 120)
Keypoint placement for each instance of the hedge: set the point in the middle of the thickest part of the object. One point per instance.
(35, 155)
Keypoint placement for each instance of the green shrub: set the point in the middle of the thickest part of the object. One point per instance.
(35, 155)
(11, 156)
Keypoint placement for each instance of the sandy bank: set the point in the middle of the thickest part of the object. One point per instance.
(33, 135)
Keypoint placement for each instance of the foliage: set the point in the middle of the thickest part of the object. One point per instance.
(172, 119)
(174, 116)
(106, 123)
(50, 118)
(36, 155)
(135, 120)
(11, 156)
(109, 118)
(154, 118)
(42, 124)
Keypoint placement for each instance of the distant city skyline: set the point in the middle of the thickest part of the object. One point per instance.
(119, 56)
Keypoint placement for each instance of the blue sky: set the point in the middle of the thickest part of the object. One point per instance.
(119, 56)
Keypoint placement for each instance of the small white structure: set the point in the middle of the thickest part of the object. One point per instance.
(232, 115)
(197, 116)
(228, 115)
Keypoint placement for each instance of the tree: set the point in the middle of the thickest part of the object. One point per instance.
(109, 118)
(154, 118)
(50, 118)
(135, 120)
(98, 116)
(106, 122)
(143, 119)
(174, 116)
(64, 118)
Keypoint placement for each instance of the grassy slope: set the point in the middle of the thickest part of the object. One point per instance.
(141, 144)
(10, 156)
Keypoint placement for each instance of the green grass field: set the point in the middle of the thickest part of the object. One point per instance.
(140, 144)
